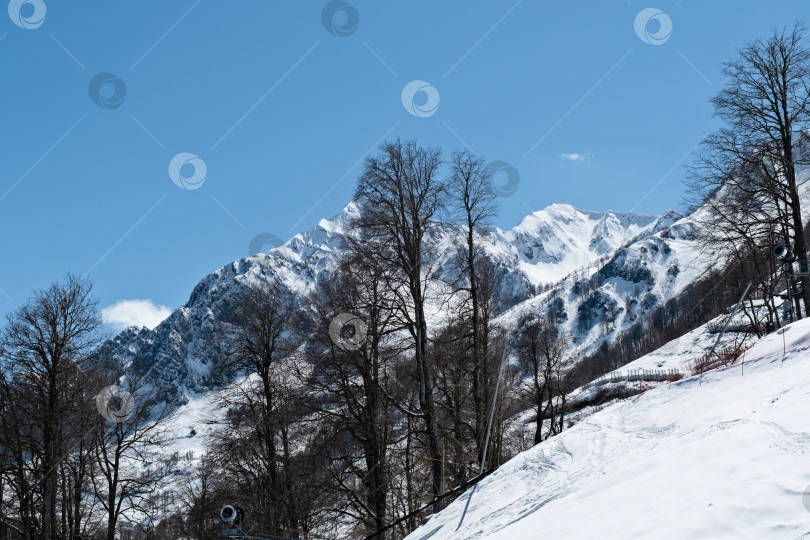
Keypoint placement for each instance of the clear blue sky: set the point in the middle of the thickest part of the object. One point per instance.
(280, 110)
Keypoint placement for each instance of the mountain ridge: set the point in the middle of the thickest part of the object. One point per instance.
(183, 353)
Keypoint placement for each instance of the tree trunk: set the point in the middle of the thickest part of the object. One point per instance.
(538, 428)
(111, 518)
(49, 463)
(801, 253)
(427, 404)
(292, 507)
(476, 349)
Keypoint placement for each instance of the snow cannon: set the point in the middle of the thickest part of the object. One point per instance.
(784, 254)
(228, 513)
(232, 517)
(787, 256)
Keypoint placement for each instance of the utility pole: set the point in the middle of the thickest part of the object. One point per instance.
(443, 473)
(730, 316)
(492, 411)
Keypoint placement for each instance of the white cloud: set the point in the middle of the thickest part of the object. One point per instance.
(577, 157)
(126, 313)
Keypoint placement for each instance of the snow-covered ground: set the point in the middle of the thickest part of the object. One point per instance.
(192, 423)
(722, 456)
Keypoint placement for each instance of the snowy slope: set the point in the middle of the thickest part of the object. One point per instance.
(722, 457)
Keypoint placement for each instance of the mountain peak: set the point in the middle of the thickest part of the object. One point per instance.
(338, 224)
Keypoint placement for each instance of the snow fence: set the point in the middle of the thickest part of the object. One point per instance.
(656, 375)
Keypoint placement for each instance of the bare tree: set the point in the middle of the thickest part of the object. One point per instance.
(542, 348)
(455, 400)
(487, 279)
(128, 462)
(474, 199)
(353, 399)
(400, 195)
(20, 457)
(747, 171)
(199, 498)
(78, 507)
(254, 445)
(43, 342)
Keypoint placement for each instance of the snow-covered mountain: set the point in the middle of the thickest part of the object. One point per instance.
(598, 302)
(583, 268)
(550, 244)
